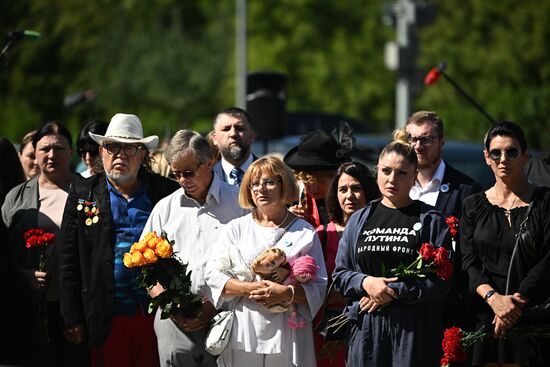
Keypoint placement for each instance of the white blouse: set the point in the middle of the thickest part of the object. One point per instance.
(255, 328)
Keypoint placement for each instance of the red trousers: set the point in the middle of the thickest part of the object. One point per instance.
(132, 342)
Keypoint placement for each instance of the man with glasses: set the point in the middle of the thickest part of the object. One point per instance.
(437, 183)
(233, 135)
(442, 186)
(193, 216)
(101, 302)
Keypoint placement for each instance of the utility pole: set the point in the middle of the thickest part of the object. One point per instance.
(405, 21)
(240, 54)
(400, 56)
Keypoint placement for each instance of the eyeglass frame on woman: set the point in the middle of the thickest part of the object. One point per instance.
(511, 153)
(124, 147)
(187, 174)
(268, 183)
(425, 141)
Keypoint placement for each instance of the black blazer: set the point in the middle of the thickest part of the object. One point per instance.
(460, 187)
(86, 261)
(457, 306)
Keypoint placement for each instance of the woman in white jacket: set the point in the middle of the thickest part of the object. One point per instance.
(260, 337)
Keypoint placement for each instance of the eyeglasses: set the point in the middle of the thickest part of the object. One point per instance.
(269, 183)
(496, 154)
(425, 141)
(129, 149)
(187, 174)
(92, 150)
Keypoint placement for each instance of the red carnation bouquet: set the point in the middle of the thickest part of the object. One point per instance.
(456, 342)
(429, 261)
(38, 239)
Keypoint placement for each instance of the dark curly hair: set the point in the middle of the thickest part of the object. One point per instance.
(362, 174)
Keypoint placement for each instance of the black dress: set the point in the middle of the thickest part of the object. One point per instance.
(486, 244)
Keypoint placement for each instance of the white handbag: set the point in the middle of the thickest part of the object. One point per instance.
(219, 333)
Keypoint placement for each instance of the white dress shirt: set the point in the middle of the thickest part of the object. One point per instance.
(195, 227)
(430, 192)
(223, 168)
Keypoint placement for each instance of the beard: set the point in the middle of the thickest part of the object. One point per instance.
(120, 178)
(235, 153)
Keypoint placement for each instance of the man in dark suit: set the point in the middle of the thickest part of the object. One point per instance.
(104, 215)
(233, 135)
(437, 183)
(445, 188)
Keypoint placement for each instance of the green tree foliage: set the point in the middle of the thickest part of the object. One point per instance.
(498, 53)
(162, 60)
(172, 62)
(331, 51)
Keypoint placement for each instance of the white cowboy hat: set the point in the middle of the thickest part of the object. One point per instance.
(125, 128)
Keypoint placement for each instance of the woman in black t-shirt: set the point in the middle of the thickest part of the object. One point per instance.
(394, 322)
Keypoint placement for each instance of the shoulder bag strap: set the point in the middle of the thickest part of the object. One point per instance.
(516, 244)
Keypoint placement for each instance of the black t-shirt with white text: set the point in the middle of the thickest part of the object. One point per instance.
(389, 237)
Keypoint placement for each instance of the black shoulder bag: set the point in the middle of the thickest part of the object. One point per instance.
(335, 324)
(524, 257)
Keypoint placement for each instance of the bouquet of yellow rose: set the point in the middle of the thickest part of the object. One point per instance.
(155, 256)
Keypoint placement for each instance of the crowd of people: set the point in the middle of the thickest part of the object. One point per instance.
(230, 212)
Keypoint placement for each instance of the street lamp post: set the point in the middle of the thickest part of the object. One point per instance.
(240, 54)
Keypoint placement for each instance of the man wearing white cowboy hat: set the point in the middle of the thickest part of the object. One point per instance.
(105, 214)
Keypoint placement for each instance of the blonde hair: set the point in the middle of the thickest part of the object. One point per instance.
(273, 166)
(400, 145)
(159, 163)
(427, 117)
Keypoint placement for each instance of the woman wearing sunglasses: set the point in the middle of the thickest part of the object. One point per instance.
(87, 148)
(488, 229)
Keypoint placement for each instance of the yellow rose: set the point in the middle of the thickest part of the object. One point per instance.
(141, 245)
(138, 259)
(150, 235)
(128, 260)
(152, 242)
(150, 256)
(163, 249)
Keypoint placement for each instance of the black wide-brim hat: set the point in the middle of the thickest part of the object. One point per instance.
(317, 151)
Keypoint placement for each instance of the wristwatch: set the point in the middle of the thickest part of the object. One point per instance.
(489, 294)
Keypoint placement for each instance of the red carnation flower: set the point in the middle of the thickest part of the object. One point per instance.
(49, 238)
(452, 346)
(452, 222)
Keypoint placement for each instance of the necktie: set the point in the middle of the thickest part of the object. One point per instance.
(237, 175)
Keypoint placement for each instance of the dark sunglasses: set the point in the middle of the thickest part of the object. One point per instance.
(496, 154)
(188, 174)
(129, 149)
(92, 150)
